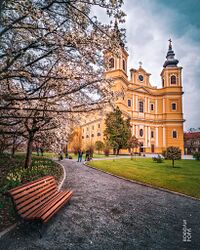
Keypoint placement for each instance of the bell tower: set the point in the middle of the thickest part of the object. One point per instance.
(117, 64)
(171, 73)
(172, 101)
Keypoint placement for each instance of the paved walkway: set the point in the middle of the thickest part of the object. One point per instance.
(110, 213)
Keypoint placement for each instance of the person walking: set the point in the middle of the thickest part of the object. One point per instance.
(80, 154)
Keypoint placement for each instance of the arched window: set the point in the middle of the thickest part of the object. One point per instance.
(173, 106)
(111, 63)
(174, 134)
(141, 132)
(141, 106)
(173, 79)
(124, 65)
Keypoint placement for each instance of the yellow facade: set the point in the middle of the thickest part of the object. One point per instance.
(156, 113)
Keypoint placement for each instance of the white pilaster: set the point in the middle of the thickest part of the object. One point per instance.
(133, 103)
(164, 137)
(136, 108)
(146, 135)
(136, 131)
(163, 105)
(156, 106)
(149, 136)
(156, 136)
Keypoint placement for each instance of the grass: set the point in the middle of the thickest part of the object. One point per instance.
(13, 174)
(184, 178)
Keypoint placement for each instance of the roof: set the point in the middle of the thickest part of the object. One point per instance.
(192, 135)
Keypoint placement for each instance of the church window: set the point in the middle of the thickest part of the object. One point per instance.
(92, 135)
(141, 132)
(141, 106)
(152, 134)
(129, 103)
(174, 134)
(124, 65)
(87, 136)
(111, 63)
(173, 106)
(173, 79)
(99, 125)
(152, 107)
(98, 134)
(82, 137)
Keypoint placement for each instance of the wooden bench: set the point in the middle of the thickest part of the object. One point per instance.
(39, 199)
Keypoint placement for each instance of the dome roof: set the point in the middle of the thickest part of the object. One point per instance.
(171, 60)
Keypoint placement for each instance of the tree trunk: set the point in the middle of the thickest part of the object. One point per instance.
(173, 163)
(118, 151)
(29, 150)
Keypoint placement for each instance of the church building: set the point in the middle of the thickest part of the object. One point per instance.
(156, 113)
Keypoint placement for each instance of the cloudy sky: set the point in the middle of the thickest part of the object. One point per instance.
(149, 25)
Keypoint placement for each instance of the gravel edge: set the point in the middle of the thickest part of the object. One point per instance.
(143, 184)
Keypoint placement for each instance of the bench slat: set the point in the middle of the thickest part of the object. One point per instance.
(32, 189)
(19, 189)
(46, 217)
(27, 205)
(29, 195)
(33, 211)
(39, 199)
(46, 206)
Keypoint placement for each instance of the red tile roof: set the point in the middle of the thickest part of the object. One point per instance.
(192, 135)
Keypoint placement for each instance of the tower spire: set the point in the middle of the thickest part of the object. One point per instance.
(171, 60)
(118, 34)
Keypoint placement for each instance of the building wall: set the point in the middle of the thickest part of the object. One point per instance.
(158, 121)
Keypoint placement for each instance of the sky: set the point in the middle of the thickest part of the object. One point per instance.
(149, 25)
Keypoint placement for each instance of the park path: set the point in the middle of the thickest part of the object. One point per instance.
(110, 213)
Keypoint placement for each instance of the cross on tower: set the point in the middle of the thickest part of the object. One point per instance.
(140, 63)
(170, 43)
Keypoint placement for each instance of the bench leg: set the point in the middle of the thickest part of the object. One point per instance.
(40, 228)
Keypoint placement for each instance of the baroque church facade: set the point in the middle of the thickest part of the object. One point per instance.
(156, 115)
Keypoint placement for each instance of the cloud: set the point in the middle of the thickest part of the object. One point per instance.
(149, 25)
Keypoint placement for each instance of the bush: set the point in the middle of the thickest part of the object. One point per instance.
(173, 153)
(99, 146)
(158, 159)
(106, 151)
(196, 156)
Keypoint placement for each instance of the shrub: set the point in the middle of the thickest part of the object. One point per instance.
(99, 146)
(106, 151)
(173, 153)
(158, 159)
(196, 156)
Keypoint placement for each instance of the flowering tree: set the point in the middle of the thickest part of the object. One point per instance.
(51, 62)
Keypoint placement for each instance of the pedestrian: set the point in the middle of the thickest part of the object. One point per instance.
(80, 154)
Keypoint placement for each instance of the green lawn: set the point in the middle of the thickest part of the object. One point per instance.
(184, 178)
(94, 156)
